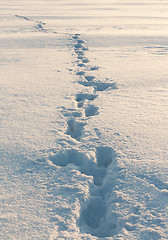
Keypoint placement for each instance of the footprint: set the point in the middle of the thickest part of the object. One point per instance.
(81, 65)
(80, 41)
(91, 110)
(95, 210)
(99, 86)
(40, 26)
(75, 128)
(106, 189)
(85, 48)
(99, 175)
(80, 46)
(80, 73)
(79, 52)
(80, 57)
(94, 68)
(71, 156)
(89, 78)
(81, 97)
(105, 156)
(76, 36)
(103, 86)
(85, 60)
(78, 158)
(84, 96)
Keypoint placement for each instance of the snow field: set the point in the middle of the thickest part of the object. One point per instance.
(84, 88)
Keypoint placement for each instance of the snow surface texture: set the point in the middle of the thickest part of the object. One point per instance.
(84, 119)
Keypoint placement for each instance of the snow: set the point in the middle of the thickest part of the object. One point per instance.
(84, 124)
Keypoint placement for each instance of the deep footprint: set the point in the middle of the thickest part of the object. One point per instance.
(89, 78)
(72, 156)
(105, 156)
(91, 110)
(95, 210)
(75, 129)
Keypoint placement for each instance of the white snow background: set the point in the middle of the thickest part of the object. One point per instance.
(84, 119)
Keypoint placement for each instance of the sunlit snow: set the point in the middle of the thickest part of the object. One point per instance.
(84, 119)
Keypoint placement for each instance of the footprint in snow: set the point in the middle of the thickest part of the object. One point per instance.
(94, 68)
(80, 46)
(99, 86)
(76, 36)
(91, 110)
(81, 97)
(89, 78)
(80, 73)
(85, 60)
(80, 57)
(75, 128)
(80, 41)
(81, 65)
(79, 52)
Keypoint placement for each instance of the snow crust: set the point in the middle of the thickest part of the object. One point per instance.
(84, 119)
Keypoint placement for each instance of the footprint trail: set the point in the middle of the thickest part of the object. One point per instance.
(93, 218)
(39, 25)
(102, 164)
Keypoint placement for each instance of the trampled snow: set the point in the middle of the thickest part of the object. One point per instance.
(84, 119)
